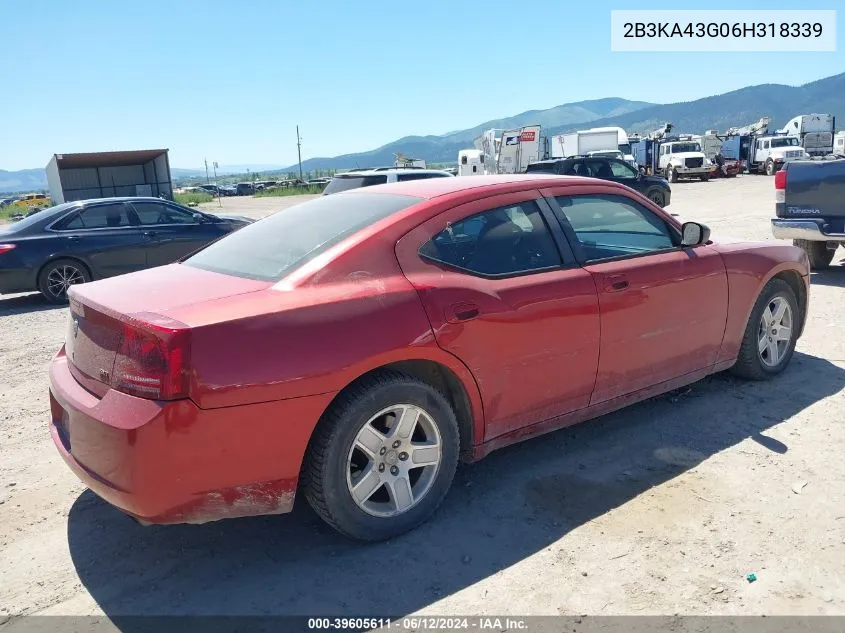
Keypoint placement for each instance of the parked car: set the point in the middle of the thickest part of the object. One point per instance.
(810, 208)
(370, 177)
(210, 188)
(366, 340)
(76, 242)
(655, 188)
(227, 190)
(245, 189)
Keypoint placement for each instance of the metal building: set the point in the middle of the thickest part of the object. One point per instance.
(109, 174)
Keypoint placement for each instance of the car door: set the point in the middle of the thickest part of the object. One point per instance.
(503, 294)
(105, 238)
(663, 307)
(173, 231)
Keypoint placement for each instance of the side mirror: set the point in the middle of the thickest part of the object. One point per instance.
(199, 218)
(694, 233)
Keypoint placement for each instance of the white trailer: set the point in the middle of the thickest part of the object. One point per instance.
(510, 151)
(814, 132)
(584, 142)
(623, 144)
(839, 144)
(471, 162)
(73, 177)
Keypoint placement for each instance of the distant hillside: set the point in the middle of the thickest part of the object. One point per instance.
(27, 180)
(444, 147)
(739, 107)
(565, 114)
(22, 181)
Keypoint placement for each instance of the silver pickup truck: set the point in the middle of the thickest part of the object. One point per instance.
(810, 208)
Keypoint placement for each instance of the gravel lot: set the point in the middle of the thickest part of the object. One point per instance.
(662, 508)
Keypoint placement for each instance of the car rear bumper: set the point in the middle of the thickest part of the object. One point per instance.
(812, 230)
(16, 280)
(172, 462)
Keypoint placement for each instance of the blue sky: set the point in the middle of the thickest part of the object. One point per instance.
(230, 81)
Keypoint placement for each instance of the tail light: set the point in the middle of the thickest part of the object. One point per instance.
(153, 359)
(5, 248)
(780, 186)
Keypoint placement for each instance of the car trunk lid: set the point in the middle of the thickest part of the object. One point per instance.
(126, 316)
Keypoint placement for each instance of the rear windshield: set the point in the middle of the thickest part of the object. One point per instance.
(542, 167)
(342, 183)
(269, 249)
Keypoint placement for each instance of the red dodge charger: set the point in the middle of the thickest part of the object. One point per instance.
(356, 346)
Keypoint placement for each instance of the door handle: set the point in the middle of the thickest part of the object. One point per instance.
(150, 233)
(73, 238)
(461, 312)
(615, 283)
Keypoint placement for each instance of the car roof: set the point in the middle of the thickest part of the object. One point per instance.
(88, 201)
(429, 188)
(391, 170)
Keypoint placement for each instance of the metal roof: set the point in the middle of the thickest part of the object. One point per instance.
(108, 159)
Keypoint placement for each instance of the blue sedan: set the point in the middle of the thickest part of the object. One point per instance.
(79, 241)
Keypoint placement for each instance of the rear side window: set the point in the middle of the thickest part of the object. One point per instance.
(354, 182)
(101, 216)
(272, 247)
(503, 241)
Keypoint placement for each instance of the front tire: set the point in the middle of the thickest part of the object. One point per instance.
(771, 333)
(770, 167)
(818, 253)
(382, 458)
(59, 275)
(657, 197)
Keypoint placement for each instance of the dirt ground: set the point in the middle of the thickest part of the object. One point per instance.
(662, 508)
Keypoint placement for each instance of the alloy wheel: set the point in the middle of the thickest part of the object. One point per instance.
(775, 331)
(60, 278)
(394, 460)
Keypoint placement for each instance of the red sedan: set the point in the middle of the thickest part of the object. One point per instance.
(356, 346)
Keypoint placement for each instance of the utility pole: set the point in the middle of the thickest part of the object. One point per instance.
(207, 181)
(219, 203)
(299, 152)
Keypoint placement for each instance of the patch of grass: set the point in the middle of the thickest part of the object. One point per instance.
(278, 192)
(192, 198)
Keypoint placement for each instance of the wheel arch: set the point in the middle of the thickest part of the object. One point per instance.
(793, 278)
(445, 373)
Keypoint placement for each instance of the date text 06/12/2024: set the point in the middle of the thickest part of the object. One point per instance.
(706, 30)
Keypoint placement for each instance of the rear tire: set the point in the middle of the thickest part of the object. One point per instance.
(356, 445)
(818, 253)
(764, 353)
(57, 276)
(705, 178)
